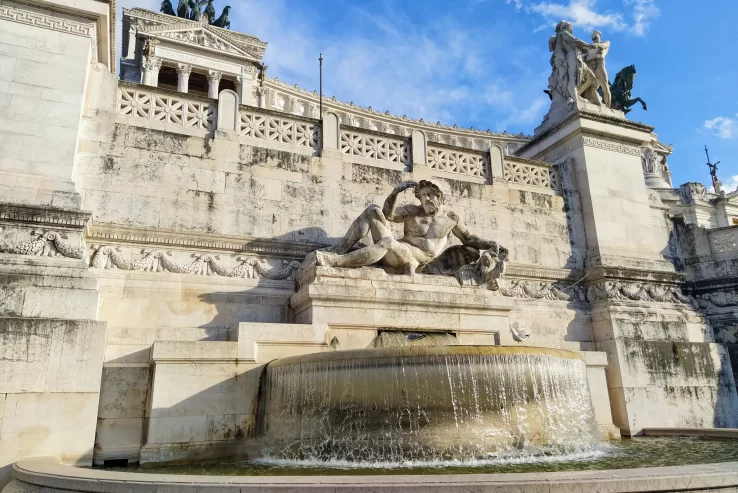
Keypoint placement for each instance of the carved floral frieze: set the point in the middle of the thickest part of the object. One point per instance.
(203, 264)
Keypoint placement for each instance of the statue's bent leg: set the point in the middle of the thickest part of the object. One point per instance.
(371, 220)
(400, 255)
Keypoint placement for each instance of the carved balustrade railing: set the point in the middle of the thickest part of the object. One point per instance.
(301, 134)
(272, 127)
(458, 161)
(163, 106)
(539, 175)
(374, 146)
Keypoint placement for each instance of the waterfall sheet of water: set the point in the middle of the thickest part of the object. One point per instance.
(428, 407)
(395, 338)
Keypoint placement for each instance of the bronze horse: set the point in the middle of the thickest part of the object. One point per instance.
(620, 89)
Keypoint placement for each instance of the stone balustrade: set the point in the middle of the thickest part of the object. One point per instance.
(165, 109)
(158, 105)
(464, 162)
(271, 127)
(283, 97)
(531, 173)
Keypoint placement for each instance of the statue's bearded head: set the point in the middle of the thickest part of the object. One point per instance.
(430, 196)
(596, 36)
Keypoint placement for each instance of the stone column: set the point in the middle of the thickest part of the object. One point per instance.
(183, 80)
(213, 83)
(151, 68)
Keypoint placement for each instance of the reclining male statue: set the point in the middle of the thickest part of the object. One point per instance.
(423, 248)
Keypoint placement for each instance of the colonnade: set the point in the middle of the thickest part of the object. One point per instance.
(152, 65)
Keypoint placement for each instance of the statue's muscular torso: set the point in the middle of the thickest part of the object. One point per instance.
(427, 235)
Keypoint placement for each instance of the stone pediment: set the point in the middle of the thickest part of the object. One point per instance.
(196, 33)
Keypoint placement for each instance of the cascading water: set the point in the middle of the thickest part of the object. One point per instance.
(427, 404)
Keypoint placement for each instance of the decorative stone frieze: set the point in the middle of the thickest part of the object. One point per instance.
(17, 12)
(583, 141)
(635, 291)
(537, 290)
(45, 243)
(204, 264)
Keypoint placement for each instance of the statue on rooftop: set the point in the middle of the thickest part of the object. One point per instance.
(424, 248)
(595, 60)
(578, 68)
(223, 20)
(565, 63)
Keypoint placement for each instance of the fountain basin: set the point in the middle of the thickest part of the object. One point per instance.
(436, 403)
(47, 474)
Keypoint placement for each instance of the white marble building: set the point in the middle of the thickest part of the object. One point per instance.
(152, 227)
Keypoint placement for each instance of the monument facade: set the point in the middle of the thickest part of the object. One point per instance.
(168, 232)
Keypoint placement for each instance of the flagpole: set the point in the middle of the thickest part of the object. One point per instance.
(321, 85)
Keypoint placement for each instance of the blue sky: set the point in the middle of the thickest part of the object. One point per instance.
(485, 63)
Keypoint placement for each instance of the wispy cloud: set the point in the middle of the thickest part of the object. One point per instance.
(722, 126)
(731, 185)
(581, 12)
(437, 71)
(642, 13)
(635, 15)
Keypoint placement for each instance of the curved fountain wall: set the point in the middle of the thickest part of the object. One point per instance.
(427, 404)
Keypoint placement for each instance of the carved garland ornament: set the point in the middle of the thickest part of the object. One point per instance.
(609, 290)
(46, 243)
(109, 257)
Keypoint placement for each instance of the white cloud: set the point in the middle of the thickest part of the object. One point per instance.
(580, 12)
(440, 71)
(636, 15)
(731, 185)
(643, 12)
(722, 126)
(518, 3)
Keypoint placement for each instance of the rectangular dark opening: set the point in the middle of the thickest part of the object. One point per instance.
(115, 463)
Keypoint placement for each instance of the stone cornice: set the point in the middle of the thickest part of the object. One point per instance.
(583, 114)
(44, 216)
(259, 246)
(15, 12)
(583, 141)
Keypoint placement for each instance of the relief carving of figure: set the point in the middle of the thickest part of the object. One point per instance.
(424, 247)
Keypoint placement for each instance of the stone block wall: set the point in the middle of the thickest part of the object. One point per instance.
(43, 80)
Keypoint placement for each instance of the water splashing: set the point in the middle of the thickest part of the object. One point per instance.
(428, 404)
